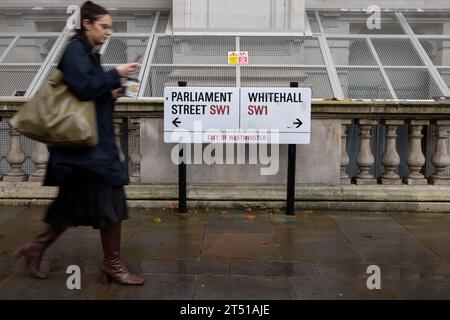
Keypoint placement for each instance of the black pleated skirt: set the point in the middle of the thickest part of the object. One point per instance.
(84, 200)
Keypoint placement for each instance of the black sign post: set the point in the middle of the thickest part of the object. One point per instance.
(182, 207)
(292, 152)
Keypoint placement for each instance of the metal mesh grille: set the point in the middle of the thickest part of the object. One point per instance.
(125, 49)
(315, 78)
(389, 24)
(30, 50)
(397, 52)
(363, 83)
(50, 26)
(427, 28)
(130, 139)
(161, 76)
(426, 22)
(313, 22)
(164, 51)
(413, 83)
(120, 26)
(437, 50)
(16, 78)
(447, 170)
(356, 23)
(4, 146)
(358, 82)
(351, 52)
(445, 74)
(193, 50)
(162, 23)
(282, 50)
(60, 53)
(385, 28)
(144, 22)
(4, 43)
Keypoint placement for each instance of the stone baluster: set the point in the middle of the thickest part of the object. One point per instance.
(364, 158)
(391, 158)
(345, 178)
(135, 177)
(416, 158)
(117, 125)
(440, 159)
(39, 158)
(15, 158)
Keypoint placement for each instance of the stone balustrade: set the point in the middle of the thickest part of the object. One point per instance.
(390, 158)
(418, 116)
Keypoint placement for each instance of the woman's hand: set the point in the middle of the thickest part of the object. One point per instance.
(117, 93)
(127, 69)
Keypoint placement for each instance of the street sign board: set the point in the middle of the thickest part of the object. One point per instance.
(237, 115)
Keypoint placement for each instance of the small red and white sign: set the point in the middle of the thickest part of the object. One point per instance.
(237, 57)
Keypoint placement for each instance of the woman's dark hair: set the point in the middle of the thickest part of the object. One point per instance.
(91, 12)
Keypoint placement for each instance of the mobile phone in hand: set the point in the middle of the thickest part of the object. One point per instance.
(137, 59)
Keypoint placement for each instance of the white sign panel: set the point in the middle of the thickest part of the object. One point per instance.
(191, 109)
(287, 110)
(237, 115)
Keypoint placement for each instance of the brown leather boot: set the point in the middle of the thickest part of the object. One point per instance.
(33, 251)
(113, 267)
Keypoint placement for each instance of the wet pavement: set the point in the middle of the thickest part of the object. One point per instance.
(241, 254)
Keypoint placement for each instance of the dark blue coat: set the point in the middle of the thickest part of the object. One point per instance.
(86, 78)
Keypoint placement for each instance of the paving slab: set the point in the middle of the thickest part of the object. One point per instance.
(405, 271)
(420, 289)
(243, 287)
(165, 222)
(436, 242)
(249, 246)
(329, 288)
(10, 265)
(316, 247)
(237, 223)
(7, 213)
(267, 268)
(156, 287)
(392, 249)
(20, 227)
(22, 287)
(433, 230)
(193, 267)
(304, 222)
(148, 245)
(240, 254)
(372, 224)
(74, 246)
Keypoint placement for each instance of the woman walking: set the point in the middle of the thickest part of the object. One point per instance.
(91, 180)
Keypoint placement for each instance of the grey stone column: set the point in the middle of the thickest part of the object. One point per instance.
(39, 157)
(135, 177)
(364, 158)
(15, 158)
(345, 178)
(117, 124)
(416, 158)
(440, 159)
(391, 158)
